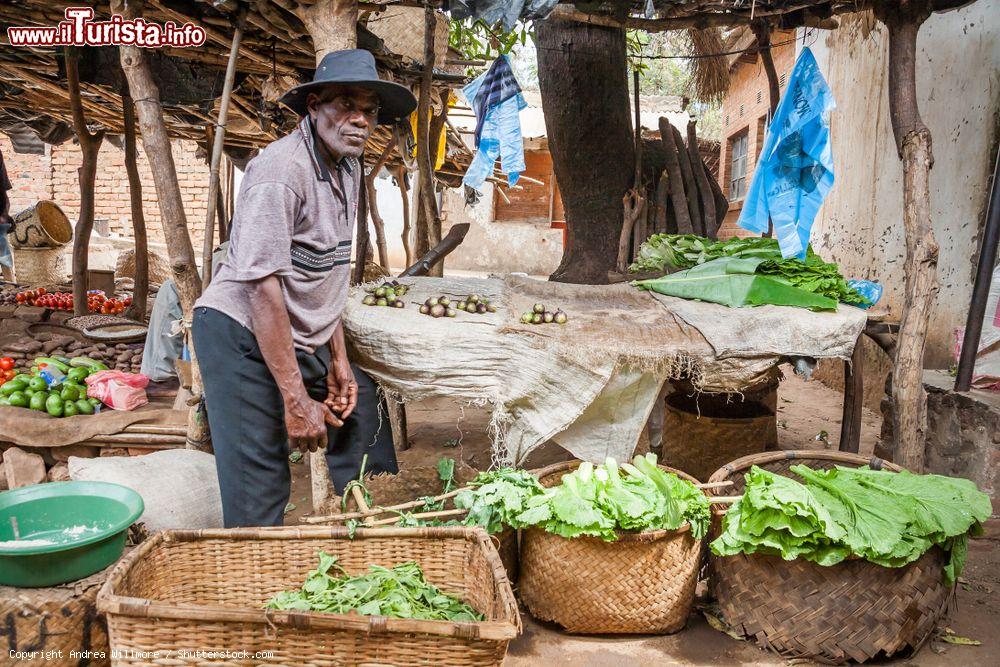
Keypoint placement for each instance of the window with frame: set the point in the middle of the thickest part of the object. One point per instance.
(738, 165)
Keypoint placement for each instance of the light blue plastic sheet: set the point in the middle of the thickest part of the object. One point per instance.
(795, 169)
(500, 137)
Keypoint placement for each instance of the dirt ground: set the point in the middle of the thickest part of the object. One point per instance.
(805, 411)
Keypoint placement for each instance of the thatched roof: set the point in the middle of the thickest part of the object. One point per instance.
(276, 52)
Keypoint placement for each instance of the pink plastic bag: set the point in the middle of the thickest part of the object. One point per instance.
(118, 390)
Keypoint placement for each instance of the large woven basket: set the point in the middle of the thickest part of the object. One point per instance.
(855, 610)
(205, 590)
(702, 433)
(640, 583)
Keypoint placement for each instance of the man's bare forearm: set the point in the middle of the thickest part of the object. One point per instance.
(273, 330)
(338, 346)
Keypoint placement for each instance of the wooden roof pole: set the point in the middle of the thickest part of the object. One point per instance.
(140, 292)
(220, 140)
(431, 227)
(90, 146)
(913, 141)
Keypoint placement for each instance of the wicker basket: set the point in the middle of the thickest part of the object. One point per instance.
(701, 433)
(640, 583)
(855, 610)
(206, 590)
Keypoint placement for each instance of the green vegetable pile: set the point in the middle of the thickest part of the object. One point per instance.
(887, 518)
(497, 497)
(400, 591)
(684, 251)
(598, 501)
(64, 394)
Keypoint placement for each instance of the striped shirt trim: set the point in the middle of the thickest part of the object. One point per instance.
(310, 258)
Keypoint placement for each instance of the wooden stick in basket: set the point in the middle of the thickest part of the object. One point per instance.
(421, 515)
(378, 509)
(359, 498)
(723, 500)
(715, 485)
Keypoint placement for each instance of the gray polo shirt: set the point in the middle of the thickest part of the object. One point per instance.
(294, 219)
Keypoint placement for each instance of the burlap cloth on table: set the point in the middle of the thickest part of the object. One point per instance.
(38, 429)
(589, 384)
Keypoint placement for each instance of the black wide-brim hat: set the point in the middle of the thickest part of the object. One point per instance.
(354, 67)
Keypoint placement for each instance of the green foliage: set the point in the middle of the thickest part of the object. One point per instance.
(400, 591)
(887, 518)
(476, 40)
(683, 251)
(497, 497)
(599, 501)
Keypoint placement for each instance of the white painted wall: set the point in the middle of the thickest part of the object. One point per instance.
(958, 87)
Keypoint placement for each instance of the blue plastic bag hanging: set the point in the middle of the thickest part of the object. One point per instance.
(795, 169)
(496, 98)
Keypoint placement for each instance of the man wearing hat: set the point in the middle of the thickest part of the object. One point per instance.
(267, 332)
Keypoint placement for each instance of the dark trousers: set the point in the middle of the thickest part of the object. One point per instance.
(247, 419)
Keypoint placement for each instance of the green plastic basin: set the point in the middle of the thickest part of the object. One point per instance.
(64, 531)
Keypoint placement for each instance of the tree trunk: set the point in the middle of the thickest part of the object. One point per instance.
(705, 193)
(156, 144)
(590, 139)
(377, 222)
(675, 179)
(140, 292)
(662, 204)
(405, 194)
(90, 146)
(332, 24)
(913, 140)
(362, 243)
(421, 245)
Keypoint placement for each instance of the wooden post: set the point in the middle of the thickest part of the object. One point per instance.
(377, 222)
(702, 178)
(361, 237)
(675, 180)
(913, 141)
(220, 139)
(140, 292)
(690, 188)
(854, 390)
(405, 194)
(90, 146)
(425, 158)
(762, 31)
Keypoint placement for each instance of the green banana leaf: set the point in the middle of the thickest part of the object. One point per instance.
(733, 282)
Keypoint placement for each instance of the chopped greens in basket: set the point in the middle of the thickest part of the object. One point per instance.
(684, 251)
(887, 518)
(599, 501)
(400, 591)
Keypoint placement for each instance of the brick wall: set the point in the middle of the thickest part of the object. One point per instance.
(744, 110)
(54, 176)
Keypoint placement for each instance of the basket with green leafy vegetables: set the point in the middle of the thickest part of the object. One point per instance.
(843, 559)
(612, 548)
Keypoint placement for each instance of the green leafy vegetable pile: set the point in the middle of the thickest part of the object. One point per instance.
(598, 501)
(684, 251)
(497, 497)
(400, 591)
(887, 518)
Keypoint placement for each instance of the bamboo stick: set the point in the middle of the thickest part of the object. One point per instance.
(723, 500)
(378, 509)
(220, 140)
(422, 515)
(715, 485)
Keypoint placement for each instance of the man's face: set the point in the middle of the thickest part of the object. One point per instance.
(344, 117)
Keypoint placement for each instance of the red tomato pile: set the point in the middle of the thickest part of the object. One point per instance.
(7, 371)
(97, 302)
